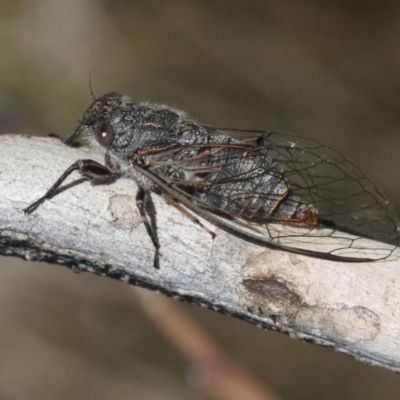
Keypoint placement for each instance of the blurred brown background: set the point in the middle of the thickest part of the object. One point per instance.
(326, 70)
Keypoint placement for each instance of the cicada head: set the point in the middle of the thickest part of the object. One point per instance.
(109, 122)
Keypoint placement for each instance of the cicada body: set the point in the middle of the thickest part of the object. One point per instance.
(275, 190)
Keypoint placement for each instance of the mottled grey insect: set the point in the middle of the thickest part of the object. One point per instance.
(274, 190)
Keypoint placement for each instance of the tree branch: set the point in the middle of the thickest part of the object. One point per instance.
(353, 308)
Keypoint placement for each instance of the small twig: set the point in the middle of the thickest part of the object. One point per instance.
(213, 371)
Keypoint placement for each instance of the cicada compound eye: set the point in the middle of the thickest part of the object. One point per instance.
(104, 133)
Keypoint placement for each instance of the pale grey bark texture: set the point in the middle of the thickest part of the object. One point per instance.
(353, 308)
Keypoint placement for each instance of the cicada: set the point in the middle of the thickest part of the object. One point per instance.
(275, 190)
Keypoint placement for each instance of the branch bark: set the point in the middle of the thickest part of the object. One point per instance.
(353, 308)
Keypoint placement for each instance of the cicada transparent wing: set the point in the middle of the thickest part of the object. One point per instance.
(280, 190)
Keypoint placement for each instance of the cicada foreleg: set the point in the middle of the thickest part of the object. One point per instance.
(92, 170)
